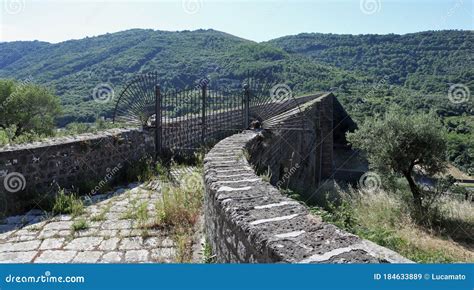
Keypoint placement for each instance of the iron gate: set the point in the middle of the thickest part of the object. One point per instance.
(191, 118)
(185, 120)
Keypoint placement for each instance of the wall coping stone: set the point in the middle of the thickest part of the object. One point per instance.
(53, 141)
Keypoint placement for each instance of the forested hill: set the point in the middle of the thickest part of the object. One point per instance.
(73, 68)
(423, 61)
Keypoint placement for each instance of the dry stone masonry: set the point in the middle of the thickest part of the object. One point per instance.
(70, 160)
(247, 220)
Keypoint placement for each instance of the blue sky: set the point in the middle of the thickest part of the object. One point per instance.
(56, 21)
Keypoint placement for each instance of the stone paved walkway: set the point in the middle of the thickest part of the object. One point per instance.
(113, 234)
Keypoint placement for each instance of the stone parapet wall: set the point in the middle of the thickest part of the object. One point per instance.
(68, 161)
(247, 220)
(299, 157)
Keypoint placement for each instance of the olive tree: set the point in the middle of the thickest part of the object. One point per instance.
(27, 108)
(398, 143)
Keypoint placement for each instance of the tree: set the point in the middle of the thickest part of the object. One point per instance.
(398, 143)
(27, 108)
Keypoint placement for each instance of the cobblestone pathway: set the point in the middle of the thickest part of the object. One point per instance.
(113, 232)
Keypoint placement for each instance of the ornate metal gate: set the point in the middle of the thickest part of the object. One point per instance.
(197, 116)
(185, 120)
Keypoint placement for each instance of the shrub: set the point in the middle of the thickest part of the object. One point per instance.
(179, 209)
(162, 172)
(27, 108)
(183, 242)
(401, 143)
(141, 214)
(386, 219)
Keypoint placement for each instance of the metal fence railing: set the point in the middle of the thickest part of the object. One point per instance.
(187, 119)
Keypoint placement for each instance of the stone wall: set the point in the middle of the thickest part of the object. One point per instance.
(69, 161)
(300, 157)
(247, 220)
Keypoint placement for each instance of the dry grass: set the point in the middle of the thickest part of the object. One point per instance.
(456, 173)
(446, 248)
(386, 219)
(183, 241)
(389, 218)
(179, 210)
(178, 207)
(456, 209)
(101, 216)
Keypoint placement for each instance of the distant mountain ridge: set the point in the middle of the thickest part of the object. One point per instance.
(420, 61)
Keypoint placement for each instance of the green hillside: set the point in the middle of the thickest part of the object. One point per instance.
(425, 61)
(73, 68)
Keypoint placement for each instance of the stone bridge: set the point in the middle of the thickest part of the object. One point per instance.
(247, 219)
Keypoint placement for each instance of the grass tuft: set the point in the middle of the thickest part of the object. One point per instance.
(208, 257)
(79, 225)
(67, 204)
(101, 216)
